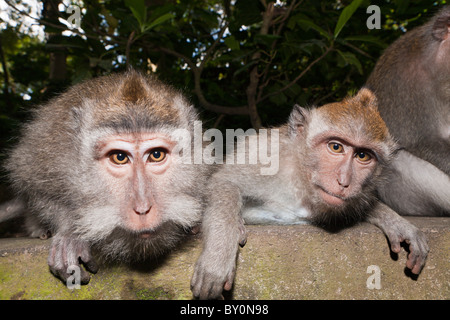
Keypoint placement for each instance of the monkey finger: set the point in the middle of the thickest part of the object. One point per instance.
(60, 274)
(242, 234)
(206, 287)
(416, 261)
(418, 266)
(45, 235)
(88, 261)
(394, 242)
(195, 229)
(85, 277)
(411, 261)
(395, 247)
(91, 266)
(228, 285)
(415, 264)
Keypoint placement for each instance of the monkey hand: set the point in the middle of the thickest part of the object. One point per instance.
(212, 275)
(415, 239)
(67, 253)
(216, 268)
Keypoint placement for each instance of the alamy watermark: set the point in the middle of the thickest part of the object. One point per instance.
(374, 21)
(74, 19)
(238, 147)
(74, 280)
(374, 281)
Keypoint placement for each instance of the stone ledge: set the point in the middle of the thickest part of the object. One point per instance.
(278, 262)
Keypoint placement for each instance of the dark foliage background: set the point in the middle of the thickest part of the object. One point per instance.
(243, 63)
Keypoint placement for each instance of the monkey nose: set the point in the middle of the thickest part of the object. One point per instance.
(343, 184)
(142, 210)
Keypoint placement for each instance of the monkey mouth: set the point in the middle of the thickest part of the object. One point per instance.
(330, 197)
(145, 234)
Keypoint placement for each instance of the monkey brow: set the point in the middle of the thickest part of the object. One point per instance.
(137, 123)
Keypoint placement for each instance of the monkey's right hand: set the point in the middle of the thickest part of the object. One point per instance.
(212, 275)
(216, 268)
(67, 253)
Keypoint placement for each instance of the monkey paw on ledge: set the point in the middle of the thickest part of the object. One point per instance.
(278, 262)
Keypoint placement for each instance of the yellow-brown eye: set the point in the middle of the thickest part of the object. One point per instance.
(119, 157)
(363, 156)
(157, 155)
(336, 147)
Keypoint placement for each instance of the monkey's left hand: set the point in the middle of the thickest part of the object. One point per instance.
(416, 240)
(68, 252)
(398, 230)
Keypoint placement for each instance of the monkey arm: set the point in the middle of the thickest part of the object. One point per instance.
(223, 230)
(434, 150)
(397, 229)
(415, 187)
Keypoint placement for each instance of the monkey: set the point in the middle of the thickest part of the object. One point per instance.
(331, 159)
(411, 81)
(101, 167)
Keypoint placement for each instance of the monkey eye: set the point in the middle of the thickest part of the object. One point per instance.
(157, 155)
(336, 147)
(363, 156)
(119, 157)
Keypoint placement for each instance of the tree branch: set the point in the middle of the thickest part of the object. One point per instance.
(242, 110)
(282, 22)
(128, 47)
(299, 76)
(254, 77)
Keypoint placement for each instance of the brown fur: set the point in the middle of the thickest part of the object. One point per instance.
(295, 192)
(67, 185)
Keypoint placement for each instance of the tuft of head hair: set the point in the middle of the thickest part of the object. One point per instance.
(359, 112)
(133, 102)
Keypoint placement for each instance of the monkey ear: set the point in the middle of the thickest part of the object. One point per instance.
(366, 97)
(441, 26)
(297, 120)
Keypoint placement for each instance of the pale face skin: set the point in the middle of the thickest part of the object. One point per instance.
(342, 169)
(133, 164)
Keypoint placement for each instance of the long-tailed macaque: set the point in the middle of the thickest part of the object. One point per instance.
(412, 84)
(330, 163)
(100, 168)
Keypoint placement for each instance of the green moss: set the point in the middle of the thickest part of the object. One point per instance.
(158, 293)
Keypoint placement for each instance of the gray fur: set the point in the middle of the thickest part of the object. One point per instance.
(54, 172)
(412, 84)
(241, 192)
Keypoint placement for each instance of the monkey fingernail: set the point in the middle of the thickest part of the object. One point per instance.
(228, 285)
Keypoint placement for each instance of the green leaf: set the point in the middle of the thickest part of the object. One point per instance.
(279, 99)
(138, 9)
(158, 21)
(247, 12)
(350, 59)
(266, 39)
(306, 24)
(366, 38)
(244, 68)
(232, 43)
(346, 15)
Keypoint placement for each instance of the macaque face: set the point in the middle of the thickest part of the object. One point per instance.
(341, 169)
(134, 168)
